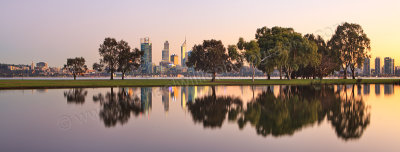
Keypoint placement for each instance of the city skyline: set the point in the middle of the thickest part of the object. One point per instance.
(54, 31)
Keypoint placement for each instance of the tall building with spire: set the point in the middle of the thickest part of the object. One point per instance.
(183, 54)
(165, 52)
(146, 60)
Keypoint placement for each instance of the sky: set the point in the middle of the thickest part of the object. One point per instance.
(54, 30)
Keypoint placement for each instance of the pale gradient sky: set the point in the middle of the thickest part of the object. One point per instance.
(51, 30)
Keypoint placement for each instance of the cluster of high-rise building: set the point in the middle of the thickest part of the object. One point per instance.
(168, 62)
(388, 68)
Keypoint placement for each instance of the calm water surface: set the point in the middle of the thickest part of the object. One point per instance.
(202, 118)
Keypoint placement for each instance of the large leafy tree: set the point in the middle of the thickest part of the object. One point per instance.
(286, 47)
(109, 53)
(269, 55)
(76, 66)
(251, 54)
(127, 60)
(212, 57)
(327, 59)
(301, 52)
(352, 45)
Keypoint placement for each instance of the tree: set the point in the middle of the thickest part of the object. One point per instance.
(251, 54)
(285, 46)
(76, 66)
(109, 51)
(98, 67)
(212, 57)
(300, 53)
(127, 60)
(352, 45)
(269, 57)
(329, 59)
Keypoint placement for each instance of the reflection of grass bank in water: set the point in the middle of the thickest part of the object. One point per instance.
(34, 84)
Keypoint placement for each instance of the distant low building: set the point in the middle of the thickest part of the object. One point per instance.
(397, 71)
(42, 66)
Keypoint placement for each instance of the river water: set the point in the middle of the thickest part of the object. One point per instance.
(202, 118)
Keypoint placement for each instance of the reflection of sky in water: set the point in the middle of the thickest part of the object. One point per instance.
(202, 118)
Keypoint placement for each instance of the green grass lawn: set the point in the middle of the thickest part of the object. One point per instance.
(36, 84)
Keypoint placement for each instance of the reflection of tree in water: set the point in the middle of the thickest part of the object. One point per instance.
(117, 107)
(294, 108)
(211, 110)
(350, 116)
(281, 115)
(76, 95)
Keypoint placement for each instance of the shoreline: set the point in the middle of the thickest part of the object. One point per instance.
(56, 84)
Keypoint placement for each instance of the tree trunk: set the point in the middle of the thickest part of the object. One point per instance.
(345, 73)
(213, 77)
(353, 73)
(123, 75)
(74, 76)
(112, 75)
(269, 76)
(280, 72)
(254, 72)
(288, 73)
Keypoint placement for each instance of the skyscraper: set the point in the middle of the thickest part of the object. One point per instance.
(146, 48)
(377, 65)
(183, 54)
(389, 66)
(165, 52)
(367, 67)
(174, 59)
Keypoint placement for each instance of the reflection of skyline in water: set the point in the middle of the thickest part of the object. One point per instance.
(268, 109)
(146, 94)
(377, 89)
(276, 116)
(388, 89)
(367, 89)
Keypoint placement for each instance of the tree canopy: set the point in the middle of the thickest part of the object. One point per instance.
(212, 57)
(109, 53)
(76, 66)
(117, 56)
(251, 53)
(352, 46)
(127, 60)
(285, 49)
